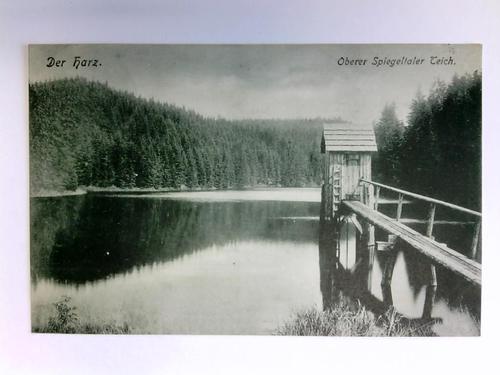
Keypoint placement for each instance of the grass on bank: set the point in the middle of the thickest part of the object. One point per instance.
(65, 320)
(346, 318)
(352, 319)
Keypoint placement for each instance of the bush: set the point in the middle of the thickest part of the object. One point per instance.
(66, 319)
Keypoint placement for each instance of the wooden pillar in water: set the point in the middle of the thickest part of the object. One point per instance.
(390, 248)
(400, 207)
(475, 240)
(430, 294)
(430, 227)
(430, 291)
(388, 269)
(387, 294)
(387, 277)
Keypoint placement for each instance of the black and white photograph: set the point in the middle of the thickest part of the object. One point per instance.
(255, 189)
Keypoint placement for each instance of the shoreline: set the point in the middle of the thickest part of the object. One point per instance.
(54, 194)
(344, 318)
(112, 190)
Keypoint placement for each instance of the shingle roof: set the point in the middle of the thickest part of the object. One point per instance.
(348, 137)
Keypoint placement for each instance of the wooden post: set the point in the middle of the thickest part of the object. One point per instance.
(387, 294)
(371, 227)
(430, 223)
(365, 197)
(433, 276)
(430, 294)
(432, 271)
(430, 227)
(389, 268)
(371, 260)
(387, 277)
(377, 196)
(400, 207)
(371, 235)
(475, 240)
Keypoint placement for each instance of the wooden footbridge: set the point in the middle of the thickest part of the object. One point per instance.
(438, 253)
(349, 192)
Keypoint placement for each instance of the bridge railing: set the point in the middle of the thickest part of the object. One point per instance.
(432, 210)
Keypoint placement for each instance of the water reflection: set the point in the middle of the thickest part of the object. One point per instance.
(175, 266)
(212, 266)
(241, 287)
(77, 239)
(410, 290)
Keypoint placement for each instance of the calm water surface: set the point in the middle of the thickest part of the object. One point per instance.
(213, 263)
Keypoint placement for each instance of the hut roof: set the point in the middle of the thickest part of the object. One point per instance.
(348, 137)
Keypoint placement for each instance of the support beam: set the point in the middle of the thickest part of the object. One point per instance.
(371, 235)
(475, 240)
(430, 295)
(432, 276)
(387, 295)
(387, 245)
(430, 227)
(430, 223)
(377, 197)
(389, 268)
(400, 207)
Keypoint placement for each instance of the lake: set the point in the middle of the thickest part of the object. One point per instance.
(238, 262)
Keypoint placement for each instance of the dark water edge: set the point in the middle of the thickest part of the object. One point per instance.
(91, 245)
(113, 190)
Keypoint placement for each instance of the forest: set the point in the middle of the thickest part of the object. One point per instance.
(438, 152)
(84, 133)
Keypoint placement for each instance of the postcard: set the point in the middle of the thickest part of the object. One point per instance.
(274, 189)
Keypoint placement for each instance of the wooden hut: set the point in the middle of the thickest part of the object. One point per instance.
(347, 150)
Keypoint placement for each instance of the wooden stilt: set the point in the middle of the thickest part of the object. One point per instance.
(389, 268)
(430, 294)
(371, 235)
(433, 276)
(432, 267)
(430, 222)
(371, 259)
(387, 294)
(377, 197)
(475, 240)
(400, 207)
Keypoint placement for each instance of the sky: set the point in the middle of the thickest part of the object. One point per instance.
(265, 81)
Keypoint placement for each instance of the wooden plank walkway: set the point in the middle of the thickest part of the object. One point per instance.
(439, 253)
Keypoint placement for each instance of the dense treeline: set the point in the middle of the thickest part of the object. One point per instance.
(438, 153)
(84, 133)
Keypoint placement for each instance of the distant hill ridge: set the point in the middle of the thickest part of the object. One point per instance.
(84, 133)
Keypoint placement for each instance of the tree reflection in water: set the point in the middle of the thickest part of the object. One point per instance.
(80, 239)
(363, 280)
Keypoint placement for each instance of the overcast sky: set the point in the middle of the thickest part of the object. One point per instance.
(271, 81)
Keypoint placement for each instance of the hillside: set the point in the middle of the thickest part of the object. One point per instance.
(85, 133)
